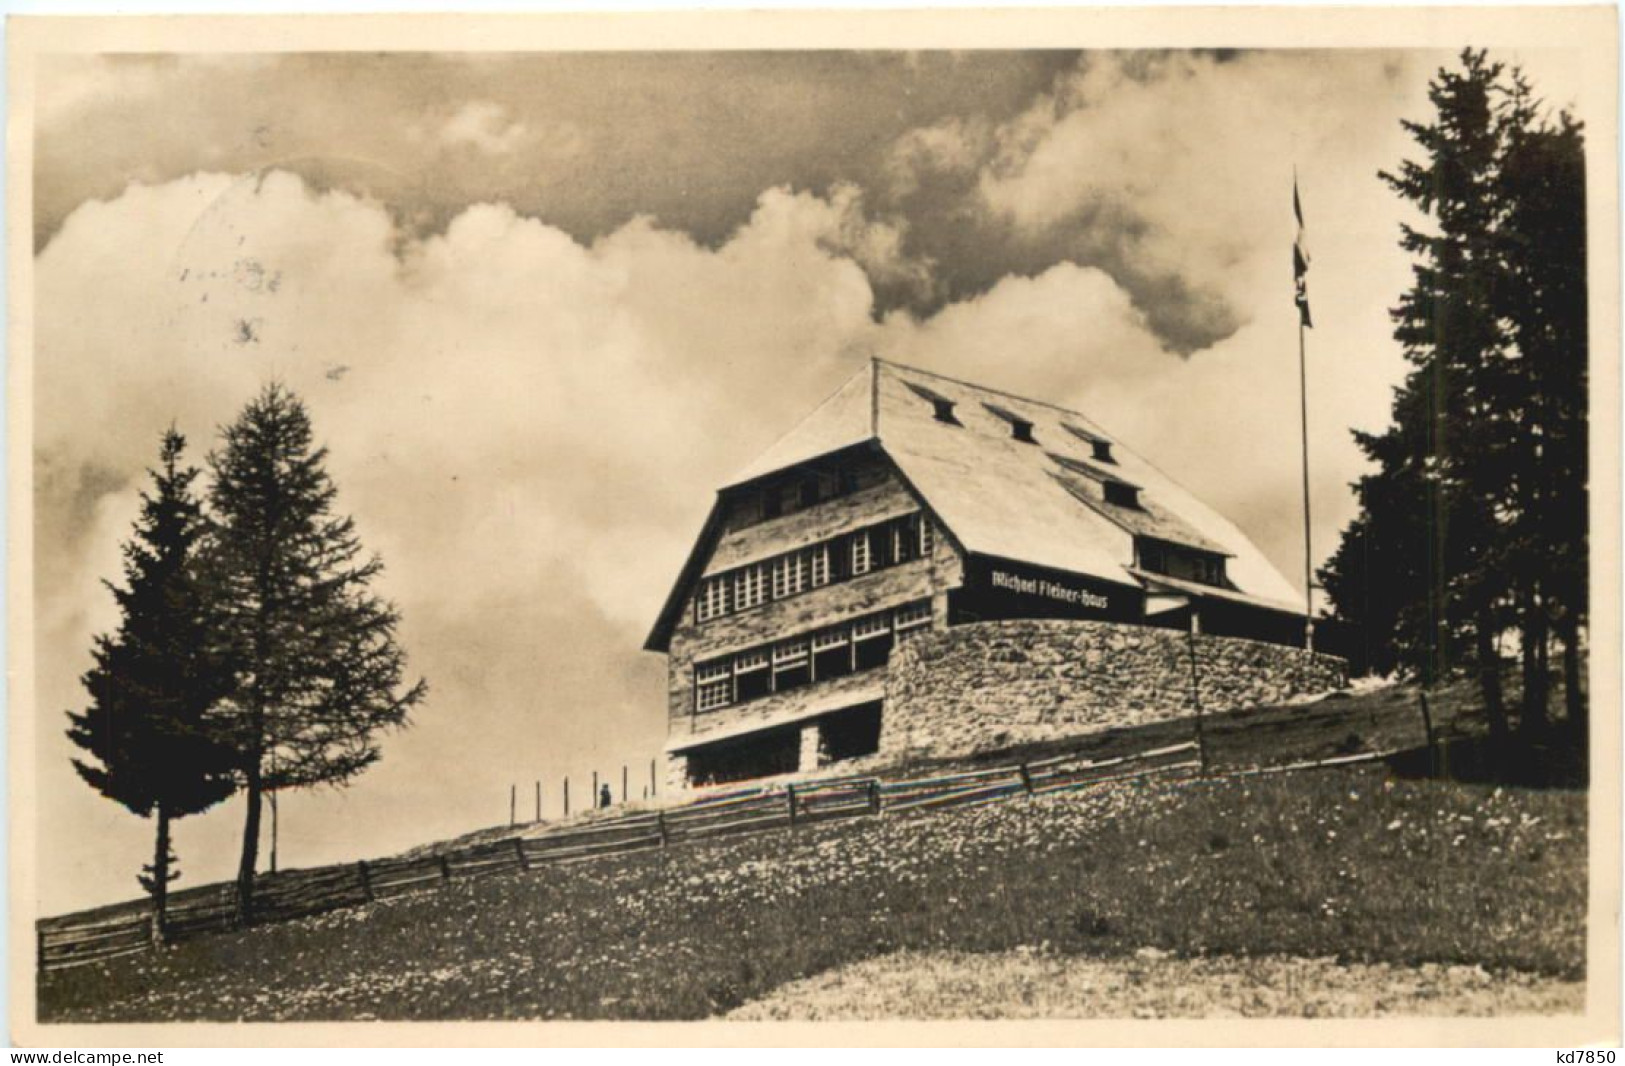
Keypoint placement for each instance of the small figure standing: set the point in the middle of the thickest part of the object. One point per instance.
(604, 798)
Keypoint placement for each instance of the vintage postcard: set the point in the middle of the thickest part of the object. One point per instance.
(1080, 526)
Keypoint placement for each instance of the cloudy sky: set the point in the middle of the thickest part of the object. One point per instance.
(540, 306)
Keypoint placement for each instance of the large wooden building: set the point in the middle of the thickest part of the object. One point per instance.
(910, 501)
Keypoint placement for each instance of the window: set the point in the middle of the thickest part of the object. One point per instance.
(1020, 428)
(871, 627)
(860, 553)
(871, 642)
(942, 408)
(898, 540)
(791, 665)
(790, 653)
(789, 493)
(713, 685)
(831, 654)
(882, 546)
(912, 619)
(1188, 564)
(818, 564)
(789, 575)
(751, 675)
(1078, 466)
(903, 539)
(1121, 494)
(748, 509)
(713, 598)
(749, 590)
(830, 638)
(1099, 446)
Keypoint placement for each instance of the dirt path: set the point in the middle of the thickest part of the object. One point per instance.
(1153, 985)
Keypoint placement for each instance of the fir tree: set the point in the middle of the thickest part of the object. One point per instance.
(1543, 249)
(319, 670)
(1474, 521)
(1446, 415)
(154, 682)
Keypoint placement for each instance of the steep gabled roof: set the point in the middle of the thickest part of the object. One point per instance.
(845, 418)
(1038, 501)
(1005, 497)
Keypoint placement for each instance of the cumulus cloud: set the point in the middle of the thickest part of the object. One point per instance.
(1169, 171)
(953, 145)
(527, 428)
(1176, 168)
(484, 126)
(530, 427)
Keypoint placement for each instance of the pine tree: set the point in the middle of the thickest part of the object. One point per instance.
(155, 680)
(1475, 520)
(1542, 181)
(1446, 415)
(319, 670)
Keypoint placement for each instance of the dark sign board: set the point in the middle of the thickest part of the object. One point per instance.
(998, 588)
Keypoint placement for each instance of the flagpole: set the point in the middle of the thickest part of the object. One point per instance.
(1308, 586)
(1300, 269)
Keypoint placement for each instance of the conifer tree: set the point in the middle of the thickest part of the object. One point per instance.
(1447, 423)
(1543, 297)
(1477, 511)
(319, 672)
(146, 733)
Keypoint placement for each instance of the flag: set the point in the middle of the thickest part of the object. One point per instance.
(1300, 260)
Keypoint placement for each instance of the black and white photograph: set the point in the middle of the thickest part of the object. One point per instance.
(777, 518)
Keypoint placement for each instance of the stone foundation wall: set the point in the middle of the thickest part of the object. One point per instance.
(981, 686)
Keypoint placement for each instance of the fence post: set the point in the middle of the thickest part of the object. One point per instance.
(660, 821)
(366, 879)
(445, 869)
(519, 850)
(513, 805)
(1196, 694)
(790, 794)
(1427, 729)
(874, 796)
(1026, 778)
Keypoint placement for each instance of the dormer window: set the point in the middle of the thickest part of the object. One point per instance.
(1121, 494)
(1099, 446)
(1180, 561)
(942, 408)
(1020, 428)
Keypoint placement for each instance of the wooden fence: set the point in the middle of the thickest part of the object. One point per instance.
(116, 931)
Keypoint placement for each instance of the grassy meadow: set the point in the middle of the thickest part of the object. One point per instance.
(1357, 865)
